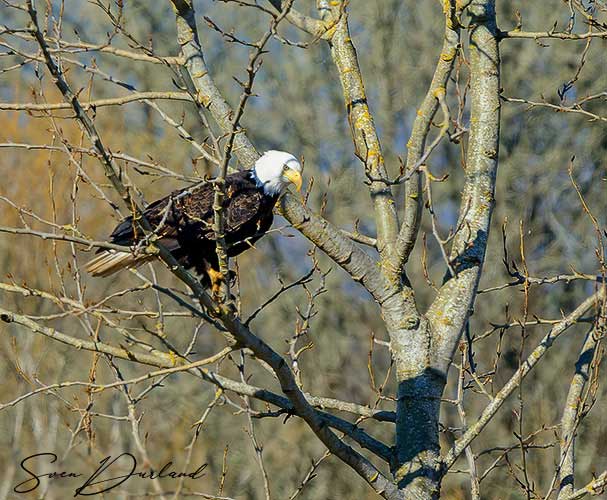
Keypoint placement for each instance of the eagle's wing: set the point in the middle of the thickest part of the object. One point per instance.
(243, 208)
(242, 205)
(164, 217)
(195, 213)
(189, 213)
(184, 217)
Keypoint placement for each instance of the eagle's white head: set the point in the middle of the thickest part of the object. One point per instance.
(276, 169)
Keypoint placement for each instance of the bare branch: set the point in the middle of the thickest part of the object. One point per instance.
(593, 488)
(114, 101)
(570, 419)
(449, 312)
(538, 35)
(365, 138)
(305, 23)
(529, 363)
(574, 108)
(421, 126)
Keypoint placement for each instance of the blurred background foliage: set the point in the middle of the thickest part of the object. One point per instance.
(299, 108)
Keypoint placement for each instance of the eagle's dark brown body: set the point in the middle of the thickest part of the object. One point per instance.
(184, 221)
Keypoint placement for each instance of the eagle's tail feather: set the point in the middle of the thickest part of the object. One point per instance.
(111, 261)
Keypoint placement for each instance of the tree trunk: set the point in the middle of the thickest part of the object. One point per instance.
(417, 448)
(416, 460)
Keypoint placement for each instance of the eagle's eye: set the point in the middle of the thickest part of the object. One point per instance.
(284, 167)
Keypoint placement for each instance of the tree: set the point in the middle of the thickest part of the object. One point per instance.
(425, 319)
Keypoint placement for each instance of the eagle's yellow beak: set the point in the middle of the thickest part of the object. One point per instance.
(294, 177)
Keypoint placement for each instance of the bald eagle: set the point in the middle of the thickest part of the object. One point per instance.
(184, 219)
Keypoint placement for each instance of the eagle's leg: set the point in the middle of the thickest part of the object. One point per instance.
(216, 280)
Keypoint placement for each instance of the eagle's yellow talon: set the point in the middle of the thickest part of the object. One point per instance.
(216, 279)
